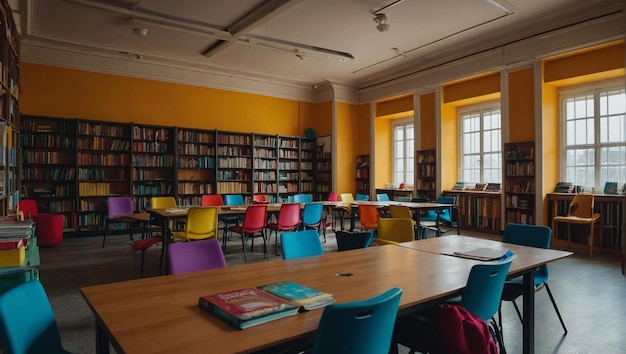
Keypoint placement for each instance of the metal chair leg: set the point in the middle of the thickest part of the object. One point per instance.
(558, 313)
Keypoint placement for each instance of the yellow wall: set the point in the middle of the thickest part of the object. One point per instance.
(449, 147)
(395, 105)
(427, 129)
(521, 106)
(61, 92)
(550, 143)
(471, 87)
(352, 140)
(588, 61)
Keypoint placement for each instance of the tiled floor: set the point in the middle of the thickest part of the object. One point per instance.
(591, 294)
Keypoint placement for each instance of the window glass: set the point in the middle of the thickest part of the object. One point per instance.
(481, 143)
(403, 152)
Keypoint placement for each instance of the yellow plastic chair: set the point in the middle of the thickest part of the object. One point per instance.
(201, 224)
(162, 202)
(402, 211)
(339, 212)
(580, 212)
(392, 231)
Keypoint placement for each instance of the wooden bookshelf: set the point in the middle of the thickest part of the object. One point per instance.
(426, 173)
(265, 176)
(288, 166)
(323, 171)
(234, 163)
(153, 168)
(363, 174)
(49, 165)
(9, 112)
(195, 165)
(307, 166)
(102, 167)
(519, 182)
(479, 211)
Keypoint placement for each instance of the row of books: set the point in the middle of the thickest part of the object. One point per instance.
(250, 307)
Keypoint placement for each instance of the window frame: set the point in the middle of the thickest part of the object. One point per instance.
(594, 89)
(464, 110)
(396, 123)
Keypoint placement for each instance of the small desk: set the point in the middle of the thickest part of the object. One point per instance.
(526, 261)
(134, 315)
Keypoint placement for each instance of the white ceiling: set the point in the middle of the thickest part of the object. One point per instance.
(422, 33)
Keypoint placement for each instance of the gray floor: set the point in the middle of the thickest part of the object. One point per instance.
(591, 294)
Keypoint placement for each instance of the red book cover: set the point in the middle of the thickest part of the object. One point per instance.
(247, 307)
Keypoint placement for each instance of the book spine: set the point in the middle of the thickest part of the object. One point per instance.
(219, 312)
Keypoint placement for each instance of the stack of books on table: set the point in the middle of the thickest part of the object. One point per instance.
(564, 187)
(249, 307)
(14, 237)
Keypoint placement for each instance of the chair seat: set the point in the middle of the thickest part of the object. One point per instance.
(577, 220)
(144, 244)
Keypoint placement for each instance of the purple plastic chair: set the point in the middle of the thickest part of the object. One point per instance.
(118, 208)
(193, 256)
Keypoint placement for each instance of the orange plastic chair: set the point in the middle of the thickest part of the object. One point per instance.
(201, 224)
(368, 216)
(288, 220)
(254, 221)
(580, 212)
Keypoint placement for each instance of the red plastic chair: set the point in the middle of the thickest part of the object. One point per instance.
(254, 222)
(288, 220)
(49, 226)
(259, 198)
(212, 200)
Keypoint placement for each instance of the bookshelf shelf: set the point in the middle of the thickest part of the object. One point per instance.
(265, 176)
(195, 165)
(519, 182)
(323, 169)
(479, 211)
(363, 174)
(288, 166)
(426, 173)
(234, 163)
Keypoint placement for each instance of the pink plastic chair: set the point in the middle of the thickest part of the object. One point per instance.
(49, 227)
(288, 220)
(185, 257)
(254, 221)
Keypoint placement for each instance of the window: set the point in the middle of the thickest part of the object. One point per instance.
(593, 134)
(480, 143)
(403, 153)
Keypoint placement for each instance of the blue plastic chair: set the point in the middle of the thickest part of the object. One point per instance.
(302, 198)
(383, 197)
(362, 197)
(429, 220)
(362, 327)
(233, 199)
(312, 217)
(298, 244)
(27, 323)
(532, 236)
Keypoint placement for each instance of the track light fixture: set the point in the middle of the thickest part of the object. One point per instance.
(381, 22)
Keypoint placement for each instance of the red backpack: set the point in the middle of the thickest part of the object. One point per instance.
(460, 332)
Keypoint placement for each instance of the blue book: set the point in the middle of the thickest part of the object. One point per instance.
(304, 296)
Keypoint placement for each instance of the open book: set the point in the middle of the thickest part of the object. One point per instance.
(306, 297)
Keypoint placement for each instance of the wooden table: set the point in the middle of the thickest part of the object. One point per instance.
(525, 263)
(161, 315)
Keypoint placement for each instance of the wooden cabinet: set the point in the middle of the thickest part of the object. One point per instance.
(426, 173)
(49, 165)
(103, 168)
(519, 182)
(266, 166)
(9, 111)
(479, 211)
(234, 163)
(363, 174)
(195, 165)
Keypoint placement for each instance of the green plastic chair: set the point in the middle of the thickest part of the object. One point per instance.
(363, 327)
(27, 323)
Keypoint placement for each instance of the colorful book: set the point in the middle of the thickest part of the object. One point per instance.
(306, 297)
(248, 307)
(610, 188)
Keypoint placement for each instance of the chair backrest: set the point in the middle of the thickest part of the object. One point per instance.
(201, 223)
(395, 230)
(288, 216)
(346, 197)
(212, 200)
(298, 244)
(259, 198)
(312, 214)
(400, 211)
(255, 218)
(302, 198)
(362, 197)
(483, 291)
(233, 199)
(581, 206)
(363, 327)
(368, 216)
(29, 208)
(162, 202)
(185, 257)
(382, 197)
(530, 235)
(27, 323)
(333, 197)
(446, 214)
(348, 240)
(117, 206)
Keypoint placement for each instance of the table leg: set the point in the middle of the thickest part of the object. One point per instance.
(528, 288)
(166, 241)
(102, 342)
(352, 218)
